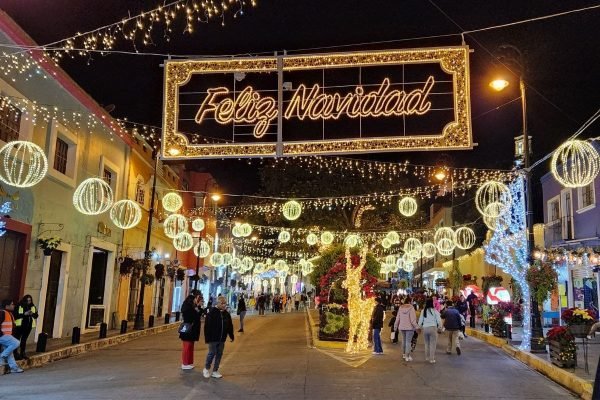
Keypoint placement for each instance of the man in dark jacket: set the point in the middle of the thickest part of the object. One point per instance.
(472, 301)
(377, 323)
(453, 324)
(217, 327)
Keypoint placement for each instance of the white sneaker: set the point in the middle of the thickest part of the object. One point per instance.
(206, 373)
(184, 367)
(216, 374)
(404, 356)
(432, 361)
(409, 358)
(375, 353)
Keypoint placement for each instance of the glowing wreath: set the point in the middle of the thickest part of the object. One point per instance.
(125, 214)
(24, 164)
(93, 197)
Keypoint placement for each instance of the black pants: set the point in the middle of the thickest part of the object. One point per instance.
(472, 319)
(296, 304)
(22, 334)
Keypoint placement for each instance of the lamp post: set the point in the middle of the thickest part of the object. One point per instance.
(215, 197)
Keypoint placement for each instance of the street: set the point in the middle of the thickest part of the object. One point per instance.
(272, 359)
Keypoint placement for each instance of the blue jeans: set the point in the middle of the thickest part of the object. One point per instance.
(377, 341)
(242, 315)
(406, 341)
(215, 351)
(10, 344)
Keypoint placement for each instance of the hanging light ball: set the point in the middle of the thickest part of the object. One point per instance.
(125, 214)
(327, 238)
(183, 242)
(247, 263)
(351, 240)
(93, 196)
(408, 266)
(386, 243)
(393, 237)
(265, 284)
(280, 265)
(294, 279)
(227, 258)
(413, 256)
(198, 225)
(408, 206)
(259, 268)
(312, 239)
(24, 164)
(445, 247)
(493, 192)
(291, 210)
(400, 263)
(273, 282)
(390, 259)
(575, 163)
(236, 263)
(429, 250)
(443, 233)
(384, 268)
(245, 230)
(464, 238)
(202, 249)
(284, 236)
(216, 259)
(174, 225)
(172, 202)
(412, 244)
(236, 231)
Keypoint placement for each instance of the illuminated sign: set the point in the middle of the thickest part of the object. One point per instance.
(497, 294)
(401, 100)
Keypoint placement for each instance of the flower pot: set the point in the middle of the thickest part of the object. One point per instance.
(558, 356)
(48, 252)
(579, 330)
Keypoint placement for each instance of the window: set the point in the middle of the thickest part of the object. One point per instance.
(553, 210)
(108, 176)
(61, 156)
(587, 196)
(140, 192)
(10, 122)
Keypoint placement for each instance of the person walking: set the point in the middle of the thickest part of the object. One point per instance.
(472, 301)
(406, 322)
(25, 316)
(261, 303)
(430, 322)
(393, 333)
(241, 311)
(7, 340)
(377, 324)
(462, 306)
(452, 323)
(217, 327)
(189, 331)
(297, 298)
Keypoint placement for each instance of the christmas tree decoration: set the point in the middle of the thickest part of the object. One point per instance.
(412, 244)
(284, 236)
(327, 238)
(174, 225)
(24, 164)
(575, 163)
(93, 196)
(464, 238)
(492, 192)
(393, 237)
(125, 214)
(445, 247)
(202, 249)
(216, 259)
(352, 240)
(312, 239)
(386, 243)
(172, 202)
(291, 210)
(408, 206)
(245, 230)
(429, 250)
(183, 241)
(198, 224)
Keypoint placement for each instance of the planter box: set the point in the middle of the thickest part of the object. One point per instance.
(326, 324)
(499, 332)
(555, 349)
(580, 331)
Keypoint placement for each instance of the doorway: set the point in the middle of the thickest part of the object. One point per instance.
(52, 292)
(567, 215)
(95, 306)
(12, 251)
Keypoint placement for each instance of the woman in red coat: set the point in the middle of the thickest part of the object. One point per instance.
(189, 332)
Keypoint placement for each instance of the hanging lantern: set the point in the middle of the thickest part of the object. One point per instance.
(24, 164)
(408, 206)
(351, 240)
(412, 244)
(93, 197)
(386, 243)
(174, 225)
(284, 236)
(464, 238)
(291, 210)
(443, 233)
(183, 242)
(236, 231)
(390, 259)
(202, 249)
(172, 202)
(227, 258)
(493, 192)
(429, 250)
(575, 163)
(245, 230)
(445, 247)
(327, 238)
(125, 214)
(312, 239)
(393, 237)
(247, 263)
(198, 225)
(408, 266)
(216, 259)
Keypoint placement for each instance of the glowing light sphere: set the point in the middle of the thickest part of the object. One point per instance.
(93, 196)
(265, 284)
(390, 259)
(227, 258)
(280, 265)
(445, 247)
(236, 263)
(412, 244)
(24, 164)
(393, 237)
(259, 268)
(312, 239)
(125, 214)
(443, 233)
(202, 249)
(408, 266)
(284, 236)
(245, 230)
(172, 202)
(408, 206)
(183, 242)
(247, 263)
(384, 269)
(294, 279)
(400, 263)
(413, 256)
(327, 238)
(575, 163)
(291, 210)
(216, 259)
(174, 225)
(464, 238)
(236, 231)
(198, 225)
(493, 192)
(429, 250)
(386, 243)
(351, 240)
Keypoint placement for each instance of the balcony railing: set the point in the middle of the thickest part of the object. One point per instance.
(559, 230)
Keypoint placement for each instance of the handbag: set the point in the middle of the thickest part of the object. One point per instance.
(185, 328)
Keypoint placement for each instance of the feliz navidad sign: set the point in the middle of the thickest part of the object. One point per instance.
(400, 100)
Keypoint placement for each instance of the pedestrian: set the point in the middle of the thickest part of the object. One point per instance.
(436, 303)
(394, 332)
(189, 330)
(241, 311)
(297, 298)
(303, 299)
(7, 340)
(472, 302)
(217, 327)
(452, 323)
(25, 316)
(430, 322)
(261, 303)
(377, 323)
(406, 322)
(462, 306)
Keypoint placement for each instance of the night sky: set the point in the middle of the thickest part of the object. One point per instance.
(562, 59)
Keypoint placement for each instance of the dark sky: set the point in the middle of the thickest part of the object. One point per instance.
(562, 57)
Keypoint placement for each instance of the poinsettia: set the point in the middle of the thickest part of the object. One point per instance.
(574, 316)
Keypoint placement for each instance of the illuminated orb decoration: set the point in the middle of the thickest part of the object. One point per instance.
(408, 266)
(351, 240)
(174, 225)
(575, 163)
(494, 223)
(227, 258)
(384, 269)
(390, 259)
(294, 279)
(183, 242)
(125, 214)
(413, 256)
(291, 210)
(407, 206)
(172, 202)
(265, 284)
(247, 263)
(429, 250)
(280, 265)
(386, 243)
(198, 225)
(216, 259)
(412, 244)
(393, 237)
(284, 236)
(202, 249)
(259, 268)
(245, 230)
(464, 238)
(236, 263)
(93, 196)
(312, 239)
(327, 238)
(443, 233)
(400, 263)
(493, 192)
(24, 164)
(236, 231)
(445, 247)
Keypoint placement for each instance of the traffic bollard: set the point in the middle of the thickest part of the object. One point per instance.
(41, 344)
(123, 326)
(177, 315)
(76, 336)
(167, 318)
(103, 329)
(151, 321)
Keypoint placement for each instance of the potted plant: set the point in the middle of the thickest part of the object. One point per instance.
(147, 279)
(159, 271)
(579, 321)
(126, 266)
(180, 274)
(49, 244)
(563, 351)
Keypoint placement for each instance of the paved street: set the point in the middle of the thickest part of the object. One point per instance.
(272, 360)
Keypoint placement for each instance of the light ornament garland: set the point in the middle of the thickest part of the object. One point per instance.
(245, 230)
(386, 243)
(393, 237)
(93, 196)
(172, 202)
(125, 214)
(429, 250)
(464, 238)
(312, 239)
(445, 247)
(412, 244)
(291, 210)
(284, 236)
(198, 224)
(202, 249)
(216, 259)
(174, 225)
(327, 238)
(408, 206)
(575, 164)
(492, 192)
(24, 164)
(183, 242)
(352, 240)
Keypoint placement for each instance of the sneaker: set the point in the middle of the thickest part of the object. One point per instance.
(432, 361)
(458, 350)
(241, 331)
(206, 373)
(409, 358)
(185, 367)
(375, 353)
(16, 370)
(216, 374)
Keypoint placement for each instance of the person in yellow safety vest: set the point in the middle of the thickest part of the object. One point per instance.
(8, 343)
(25, 316)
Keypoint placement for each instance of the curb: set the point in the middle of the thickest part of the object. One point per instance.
(40, 360)
(315, 336)
(575, 384)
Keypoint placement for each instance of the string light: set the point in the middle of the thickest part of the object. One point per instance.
(125, 214)
(327, 238)
(198, 224)
(175, 224)
(183, 241)
(284, 236)
(360, 309)
(202, 249)
(93, 196)
(172, 202)
(575, 164)
(407, 206)
(492, 192)
(464, 238)
(291, 210)
(24, 164)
